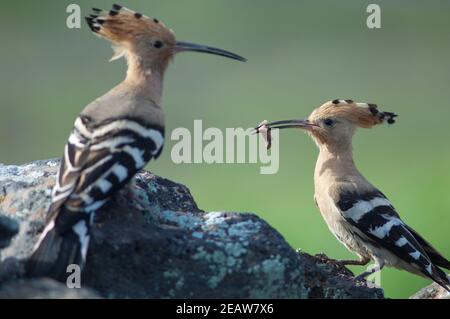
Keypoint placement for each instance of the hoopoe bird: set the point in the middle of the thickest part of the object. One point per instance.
(113, 138)
(356, 212)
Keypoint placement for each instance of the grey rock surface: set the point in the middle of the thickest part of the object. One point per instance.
(154, 242)
(433, 291)
(43, 289)
(8, 229)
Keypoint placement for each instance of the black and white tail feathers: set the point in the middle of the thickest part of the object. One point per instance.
(436, 258)
(57, 249)
(434, 255)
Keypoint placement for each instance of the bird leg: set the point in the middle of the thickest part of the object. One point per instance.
(342, 263)
(376, 268)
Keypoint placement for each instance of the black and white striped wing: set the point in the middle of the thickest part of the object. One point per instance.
(373, 215)
(98, 161)
(76, 152)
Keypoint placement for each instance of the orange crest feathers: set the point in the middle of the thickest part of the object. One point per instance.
(124, 26)
(362, 114)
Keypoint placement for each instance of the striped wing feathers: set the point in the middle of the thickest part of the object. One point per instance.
(99, 160)
(374, 216)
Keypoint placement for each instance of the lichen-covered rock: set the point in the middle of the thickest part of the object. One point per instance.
(8, 229)
(433, 291)
(159, 244)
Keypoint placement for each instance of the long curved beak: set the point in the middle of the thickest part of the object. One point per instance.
(186, 46)
(303, 124)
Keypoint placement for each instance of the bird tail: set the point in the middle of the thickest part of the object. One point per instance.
(55, 251)
(441, 278)
(437, 258)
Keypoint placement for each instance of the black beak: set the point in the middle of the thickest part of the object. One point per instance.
(304, 124)
(186, 46)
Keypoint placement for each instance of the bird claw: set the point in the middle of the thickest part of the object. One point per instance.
(361, 277)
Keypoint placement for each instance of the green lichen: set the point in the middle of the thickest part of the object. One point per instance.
(176, 279)
(221, 262)
(235, 249)
(244, 229)
(213, 218)
(218, 257)
(182, 220)
(215, 280)
(171, 274)
(197, 235)
(217, 264)
(271, 272)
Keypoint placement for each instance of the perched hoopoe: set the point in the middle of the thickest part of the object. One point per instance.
(113, 138)
(356, 212)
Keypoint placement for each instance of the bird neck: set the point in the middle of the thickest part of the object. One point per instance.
(335, 163)
(145, 77)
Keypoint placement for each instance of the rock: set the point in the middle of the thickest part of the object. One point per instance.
(43, 289)
(8, 229)
(159, 244)
(433, 291)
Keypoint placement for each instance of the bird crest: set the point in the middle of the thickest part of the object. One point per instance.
(361, 114)
(125, 28)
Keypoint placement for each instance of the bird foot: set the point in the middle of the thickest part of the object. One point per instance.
(362, 277)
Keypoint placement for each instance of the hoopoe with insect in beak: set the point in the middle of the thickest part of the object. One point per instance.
(113, 138)
(356, 212)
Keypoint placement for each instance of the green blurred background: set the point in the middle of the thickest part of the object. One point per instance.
(301, 53)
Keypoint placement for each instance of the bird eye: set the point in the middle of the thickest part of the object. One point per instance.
(158, 44)
(328, 122)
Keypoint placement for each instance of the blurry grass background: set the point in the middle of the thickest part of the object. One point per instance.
(301, 53)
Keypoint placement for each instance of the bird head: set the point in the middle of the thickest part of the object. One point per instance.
(334, 122)
(146, 38)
